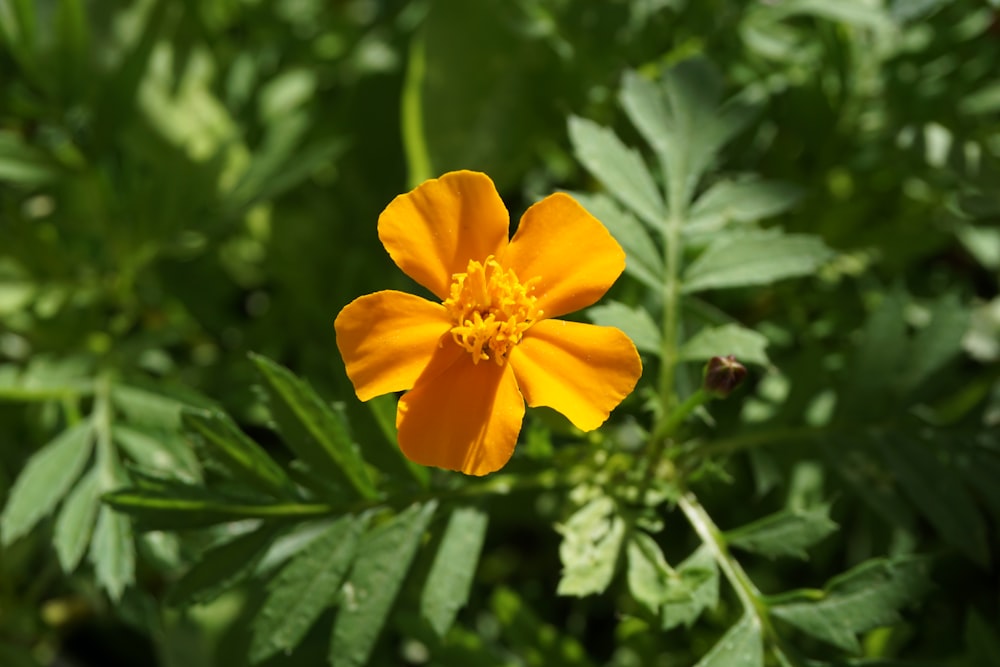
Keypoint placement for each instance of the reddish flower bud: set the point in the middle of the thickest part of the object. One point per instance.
(722, 375)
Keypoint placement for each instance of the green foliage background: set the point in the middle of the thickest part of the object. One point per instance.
(188, 196)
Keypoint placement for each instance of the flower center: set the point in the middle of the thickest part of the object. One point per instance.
(491, 309)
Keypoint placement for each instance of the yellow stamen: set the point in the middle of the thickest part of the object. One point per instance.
(491, 309)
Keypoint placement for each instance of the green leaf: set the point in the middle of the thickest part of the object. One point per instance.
(45, 479)
(592, 539)
(306, 586)
(145, 406)
(374, 583)
(316, 433)
(642, 257)
(739, 201)
(696, 591)
(754, 258)
(23, 164)
(183, 506)
(746, 344)
(447, 587)
(112, 552)
(75, 521)
(852, 12)
(938, 491)
(786, 533)
(157, 450)
(863, 598)
(741, 646)
(619, 168)
(648, 571)
(223, 566)
(937, 343)
(635, 322)
(243, 455)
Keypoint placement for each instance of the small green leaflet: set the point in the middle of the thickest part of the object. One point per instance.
(746, 344)
(739, 201)
(698, 590)
(754, 258)
(242, 454)
(45, 479)
(315, 432)
(75, 521)
(635, 322)
(306, 586)
(112, 551)
(592, 539)
(620, 168)
(447, 587)
(648, 571)
(741, 646)
(863, 598)
(785, 533)
(374, 582)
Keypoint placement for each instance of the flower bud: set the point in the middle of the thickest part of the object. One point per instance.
(722, 375)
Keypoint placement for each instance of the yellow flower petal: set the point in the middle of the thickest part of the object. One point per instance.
(460, 415)
(582, 370)
(571, 253)
(433, 231)
(387, 339)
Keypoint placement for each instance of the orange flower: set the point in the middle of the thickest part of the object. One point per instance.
(471, 360)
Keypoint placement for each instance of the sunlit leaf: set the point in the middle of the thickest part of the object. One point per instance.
(592, 539)
(75, 521)
(741, 646)
(635, 322)
(112, 552)
(786, 533)
(374, 582)
(746, 344)
(739, 201)
(306, 586)
(450, 579)
(45, 479)
(694, 592)
(648, 571)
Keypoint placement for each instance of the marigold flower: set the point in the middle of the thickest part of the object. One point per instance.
(470, 361)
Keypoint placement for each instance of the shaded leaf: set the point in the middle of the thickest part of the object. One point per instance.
(45, 479)
(786, 533)
(866, 597)
(306, 586)
(746, 344)
(937, 343)
(447, 587)
(223, 566)
(592, 539)
(23, 164)
(317, 434)
(754, 258)
(635, 322)
(619, 168)
(75, 522)
(374, 583)
(243, 455)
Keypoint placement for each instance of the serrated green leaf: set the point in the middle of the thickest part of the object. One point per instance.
(243, 455)
(938, 492)
(866, 597)
(635, 322)
(75, 522)
(642, 256)
(220, 568)
(447, 587)
(45, 479)
(746, 344)
(619, 168)
(374, 583)
(112, 552)
(754, 258)
(317, 434)
(741, 646)
(696, 590)
(592, 540)
(306, 586)
(648, 571)
(785, 533)
(147, 407)
(739, 201)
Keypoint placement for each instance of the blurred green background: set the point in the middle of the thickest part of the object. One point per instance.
(183, 182)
